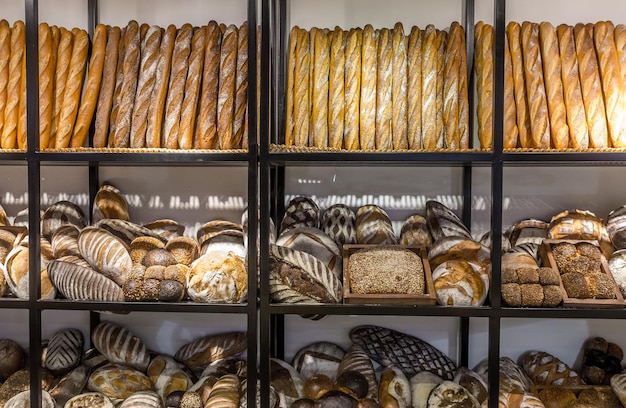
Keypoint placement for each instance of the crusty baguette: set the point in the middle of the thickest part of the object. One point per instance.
(441, 40)
(64, 55)
(367, 113)
(119, 79)
(206, 130)
(464, 135)
(321, 67)
(414, 85)
(312, 33)
(548, 45)
(128, 90)
(143, 30)
(429, 88)
(302, 94)
(451, 86)
(11, 110)
(352, 88)
(150, 45)
(241, 86)
(591, 87)
(511, 134)
(92, 88)
(176, 91)
(513, 30)
(572, 94)
(107, 86)
(535, 88)
(611, 79)
(620, 45)
(226, 90)
(399, 122)
(383, 91)
(159, 91)
(21, 121)
(336, 89)
(484, 85)
(289, 91)
(192, 89)
(4, 23)
(46, 83)
(5, 55)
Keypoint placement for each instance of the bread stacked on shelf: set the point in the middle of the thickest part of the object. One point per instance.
(377, 89)
(12, 85)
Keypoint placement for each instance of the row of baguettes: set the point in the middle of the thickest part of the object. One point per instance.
(564, 86)
(367, 89)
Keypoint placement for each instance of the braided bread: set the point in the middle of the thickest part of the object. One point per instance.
(451, 86)
(226, 94)
(414, 86)
(11, 110)
(352, 88)
(399, 121)
(367, 113)
(429, 88)
(192, 90)
(107, 87)
(513, 31)
(510, 126)
(336, 97)
(383, 91)
(46, 83)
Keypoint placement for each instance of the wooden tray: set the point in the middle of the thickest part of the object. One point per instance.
(428, 298)
(548, 260)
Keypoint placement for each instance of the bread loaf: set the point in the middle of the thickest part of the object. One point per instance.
(399, 122)
(572, 94)
(21, 121)
(226, 93)
(119, 78)
(201, 351)
(206, 130)
(352, 88)
(120, 346)
(46, 83)
(464, 135)
(64, 54)
(367, 113)
(429, 88)
(451, 87)
(302, 93)
(620, 45)
(128, 89)
(107, 87)
(11, 110)
(336, 96)
(5, 55)
(546, 369)
(441, 40)
(192, 89)
(241, 87)
(150, 45)
(513, 31)
(414, 89)
(484, 84)
(591, 86)
(92, 88)
(321, 67)
(510, 125)
(105, 253)
(154, 133)
(384, 90)
(289, 91)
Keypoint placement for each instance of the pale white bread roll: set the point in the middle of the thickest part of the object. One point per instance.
(11, 109)
(206, 129)
(367, 113)
(384, 91)
(451, 86)
(535, 87)
(107, 86)
(226, 93)
(399, 122)
(336, 89)
(150, 45)
(46, 83)
(241, 87)
(484, 84)
(464, 135)
(128, 90)
(119, 78)
(64, 54)
(321, 68)
(192, 89)
(549, 48)
(289, 91)
(611, 79)
(513, 31)
(510, 112)
(301, 92)
(429, 88)
(591, 86)
(442, 39)
(92, 87)
(572, 93)
(154, 134)
(21, 120)
(414, 89)
(5, 55)
(352, 88)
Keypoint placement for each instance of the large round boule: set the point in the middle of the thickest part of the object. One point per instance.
(12, 358)
(353, 383)
(158, 256)
(317, 385)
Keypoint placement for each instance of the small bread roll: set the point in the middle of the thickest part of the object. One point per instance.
(451, 87)
(383, 91)
(107, 87)
(321, 68)
(513, 31)
(291, 66)
(367, 113)
(11, 110)
(128, 90)
(352, 88)
(192, 90)
(399, 121)
(414, 85)
(226, 94)
(206, 129)
(429, 88)
(241, 87)
(336, 96)
(46, 83)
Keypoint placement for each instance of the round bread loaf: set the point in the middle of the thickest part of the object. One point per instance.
(373, 226)
(64, 351)
(60, 213)
(218, 277)
(301, 211)
(167, 376)
(12, 358)
(118, 382)
(451, 394)
(460, 283)
(318, 358)
(142, 399)
(414, 232)
(22, 400)
(338, 222)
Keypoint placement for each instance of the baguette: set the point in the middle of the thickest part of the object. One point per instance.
(399, 123)
(5, 55)
(572, 94)
(206, 130)
(321, 68)
(429, 88)
(441, 40)
(143, 31)
(176, 91)
(311, 34)
(64, 55)
(226, 90)
(484, 66)
(383, 91)
(159, 91)
(46, 83)
(367, 113)
(352, 88)
(535, 88)
(192, 90)
(591, 86)
(414, 85)
(289, 92)
(336, 89)
(451, 87)
(4, 23)
(119, 78)
(92, 88)
(241, 86)
(21, 121)
(513, 31)
(463, 93)
(107, 87)
(620, 45)
(150, 45)
(611, 79)
(511, 133)
(11, 110)
(128, 90)
(301, 104)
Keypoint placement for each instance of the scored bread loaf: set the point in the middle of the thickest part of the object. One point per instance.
(107, 86)
(429, 88)
(21, 120)
(9, 131)
(546, 369)
(451, 86)
(5, 55)
(119, 78)
(511, 133)
(241, 87)
(367, 112)
(289, 92)
(226, 94)
(120, 346)
(336, 89)
(318, 132)
(484, 84)
(128, 88)
(92, 88)
(399, 121)
(192, 89)
(46, 83)
(464, 135)
(414, 86)
(64, 55)
(198, 353)
(513, 31)
(384, 52)
(352, 88)
(206, 130)
(301, 91)
(441, 40)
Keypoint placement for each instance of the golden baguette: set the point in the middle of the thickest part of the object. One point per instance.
(159, 91)
(383, 91)
(107, 86)
(441, 40)
(206, 130)
(4, 23)
(301, 104)
(46, 83)
(176, 91)
(513, 30)
(464, 135)
(399, 122)
(143, 30)
(241, 87)
(414, 86)
(511, 133)
(92, 88)
(128, 90)
(289, 91)
(5, 55)
(11, 110)
(150, 45)
(21, 122)
(367, 113)
(312, 33)
(611, 79)
(226, 92)
(485, 84)
(64, 55)
(451, 87)
(336, 89)
(192, 89)
(620, 45)
(352, 88)
(572, 94)
(429, 88)
(119, 78)
(321, 68)
(535, 88)
(591, 87)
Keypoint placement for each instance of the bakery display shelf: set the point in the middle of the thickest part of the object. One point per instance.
(563, 312)
(13, 155)
(14, 303)
(599, 157)
(381, 310)
(172, 157)
(185, 307)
